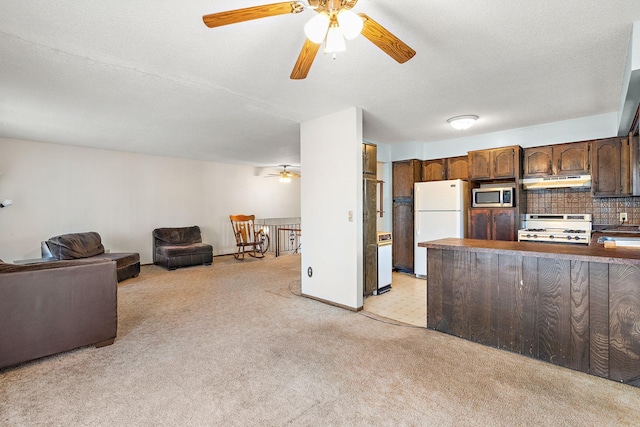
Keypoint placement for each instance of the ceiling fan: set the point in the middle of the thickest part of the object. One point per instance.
(333, 23)
(284, 174)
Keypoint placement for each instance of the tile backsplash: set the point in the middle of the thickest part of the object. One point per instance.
(605, 211)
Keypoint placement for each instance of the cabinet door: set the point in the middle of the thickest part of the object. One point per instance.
(538, 161)
(433, 170)
(503, 224)
(479, 165)
(571, 159)
(626, 168)
(480, 224)
(504, 162)
(493, 224)
(634, 148)
(370, 269)
(606, 167)
(405, 174)
(457, 168)
(369, 159)
(369, 236)
(403, 236)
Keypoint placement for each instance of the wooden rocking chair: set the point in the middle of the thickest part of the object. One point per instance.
(253, 241)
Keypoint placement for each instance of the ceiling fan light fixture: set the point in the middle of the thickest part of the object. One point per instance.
(350, 24)
(335, 40)
(285, 178)
(316, 28)
(462, 122)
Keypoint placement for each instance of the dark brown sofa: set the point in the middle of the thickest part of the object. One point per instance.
(180, 247)
(51, 307)
(89, 245)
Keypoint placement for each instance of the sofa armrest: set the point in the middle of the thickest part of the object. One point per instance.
(52, 307)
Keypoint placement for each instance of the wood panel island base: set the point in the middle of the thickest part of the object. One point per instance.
(571, 305)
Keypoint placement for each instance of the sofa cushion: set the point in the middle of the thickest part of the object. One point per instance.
(177, 236)
(122, 259)
(181, 250)
(76, 245)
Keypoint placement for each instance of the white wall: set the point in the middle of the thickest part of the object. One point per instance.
(60, 189)
(331, 154)
(585, 128)
(630, 91)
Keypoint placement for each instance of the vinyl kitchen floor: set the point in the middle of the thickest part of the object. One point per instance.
(406, 302)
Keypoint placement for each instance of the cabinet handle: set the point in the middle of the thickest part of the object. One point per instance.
(381, 211)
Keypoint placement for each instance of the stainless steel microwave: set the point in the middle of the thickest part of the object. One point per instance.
(493, 197)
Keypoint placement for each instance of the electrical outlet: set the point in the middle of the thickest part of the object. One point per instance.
(623, 217)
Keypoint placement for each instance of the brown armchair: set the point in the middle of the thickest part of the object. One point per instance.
(175, 247)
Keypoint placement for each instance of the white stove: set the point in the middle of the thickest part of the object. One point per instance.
(556, 228)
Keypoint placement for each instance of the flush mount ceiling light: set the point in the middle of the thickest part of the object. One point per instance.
(462, 122)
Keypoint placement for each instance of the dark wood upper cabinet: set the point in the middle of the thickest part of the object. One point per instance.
(457, 167)
(405, 174)
(506, 162)
(561, 159)
(571, 159)
(433, 170)
(538, 161)
(497, 163)
(611, 167)
(369, 159)
(480, 165)
(447, 168)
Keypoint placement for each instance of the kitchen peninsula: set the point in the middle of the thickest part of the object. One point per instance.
(572, 305)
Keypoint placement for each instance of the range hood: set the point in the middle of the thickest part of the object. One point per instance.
(570, 181)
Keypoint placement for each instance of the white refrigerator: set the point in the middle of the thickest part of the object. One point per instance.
(440, 210)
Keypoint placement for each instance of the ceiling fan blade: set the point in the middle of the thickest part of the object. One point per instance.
(350, 4)
(247, 14)
(381, 37)
(305, 59)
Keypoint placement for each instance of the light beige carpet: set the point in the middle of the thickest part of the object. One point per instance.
(232, 345)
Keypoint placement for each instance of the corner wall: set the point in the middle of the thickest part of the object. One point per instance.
(331, 153)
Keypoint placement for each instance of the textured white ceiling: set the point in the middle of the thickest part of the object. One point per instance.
(149, 76)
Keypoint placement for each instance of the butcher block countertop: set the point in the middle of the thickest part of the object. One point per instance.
(591, 253)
